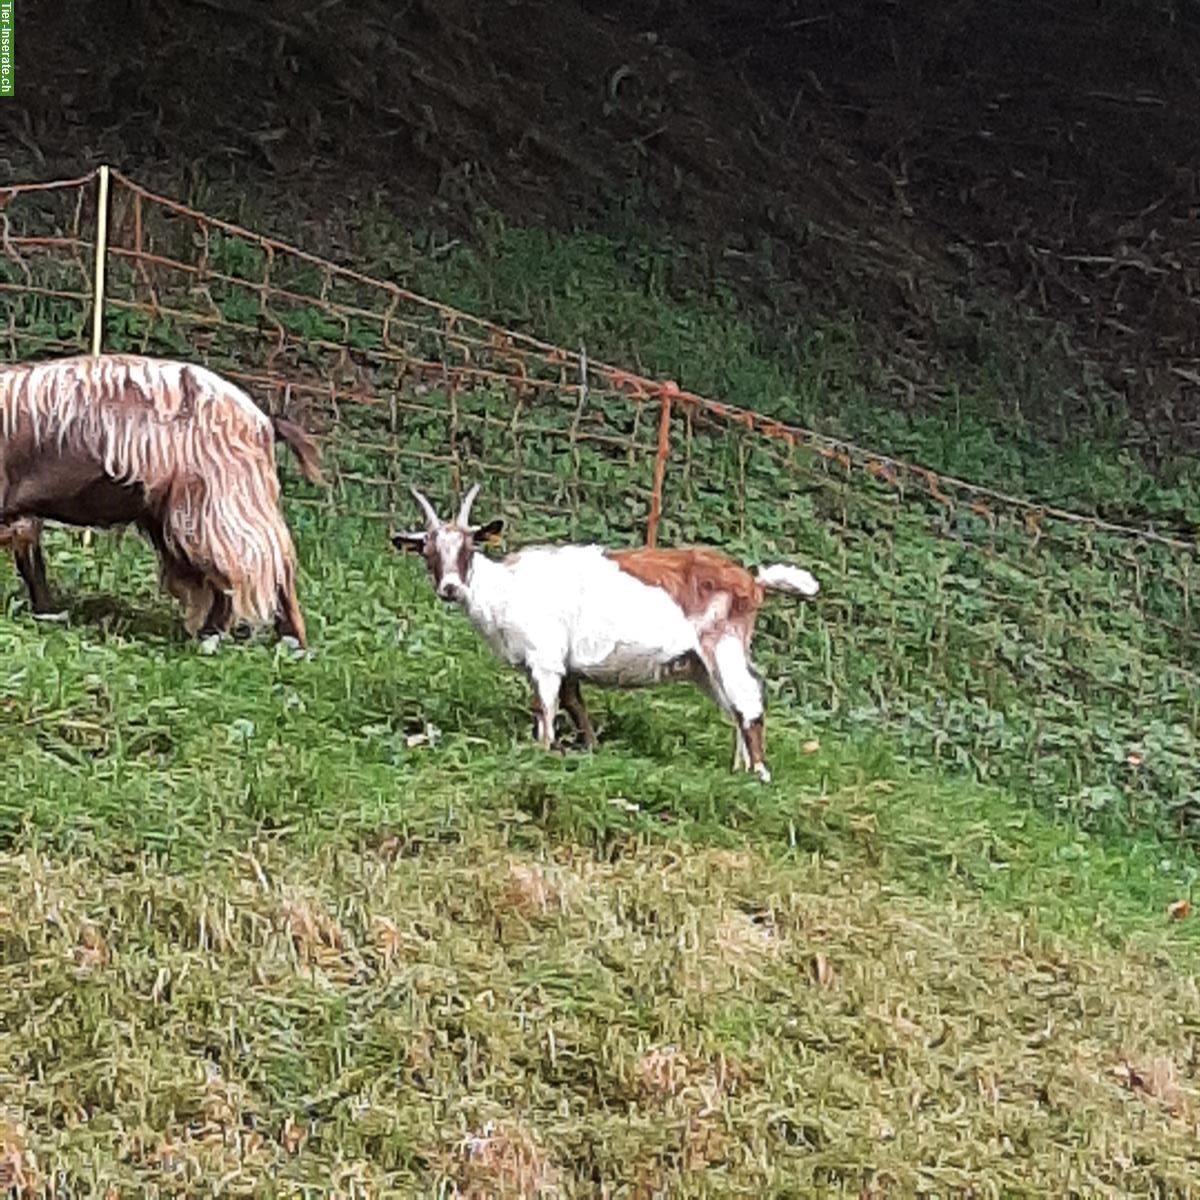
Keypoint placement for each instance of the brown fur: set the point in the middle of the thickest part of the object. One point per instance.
(170, 448)
(24, 539)
(697, 578)
(302, 446)
(20, 535)
(693, 576)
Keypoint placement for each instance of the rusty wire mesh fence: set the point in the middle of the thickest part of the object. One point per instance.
(1041, 648)
(47, 250)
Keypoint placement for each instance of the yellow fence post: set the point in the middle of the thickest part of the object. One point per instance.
(98, 279)
(101, 256)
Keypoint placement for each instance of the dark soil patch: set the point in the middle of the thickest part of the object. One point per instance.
(884, 159)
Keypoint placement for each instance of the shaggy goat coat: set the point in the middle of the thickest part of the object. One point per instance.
(169, 446)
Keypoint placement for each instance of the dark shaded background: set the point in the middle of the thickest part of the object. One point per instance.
(860, 154)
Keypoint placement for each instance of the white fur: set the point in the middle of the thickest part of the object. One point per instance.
(449, 542)
(218, 384)
(569, 609)
(779, 577)
(739, 685)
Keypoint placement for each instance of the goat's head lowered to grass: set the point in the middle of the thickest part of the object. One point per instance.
(449, 546)
(616, 618)
(175, 450)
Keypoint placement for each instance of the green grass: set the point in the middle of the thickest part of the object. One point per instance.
(1047, 665)
(251, 934)
(1005, 401)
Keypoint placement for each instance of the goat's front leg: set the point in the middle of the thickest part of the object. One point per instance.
(546, 687)
(216, 624)
(31, 566)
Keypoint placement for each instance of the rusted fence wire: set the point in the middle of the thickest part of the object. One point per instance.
(1020, 640)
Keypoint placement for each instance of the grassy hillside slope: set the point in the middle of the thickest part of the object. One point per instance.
(334, 926)
(335, 923)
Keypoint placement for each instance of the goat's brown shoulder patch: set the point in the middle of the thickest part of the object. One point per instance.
(691, 576)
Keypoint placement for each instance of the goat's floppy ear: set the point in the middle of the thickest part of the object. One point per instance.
(489, 534)
(404, 539)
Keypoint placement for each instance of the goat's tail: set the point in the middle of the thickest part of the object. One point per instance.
(302, 446)
(794, 581)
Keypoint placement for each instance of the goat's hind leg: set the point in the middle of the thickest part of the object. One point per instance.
(572, 701)
(708, 679)
(735, 677)
(741, 754)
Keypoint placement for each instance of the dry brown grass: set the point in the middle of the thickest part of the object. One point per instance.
(18, 1167)
(365, 1027)
(503, 1160)
(529, 892)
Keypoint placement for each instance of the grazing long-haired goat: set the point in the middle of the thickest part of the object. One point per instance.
(617, 618)
(171, 448)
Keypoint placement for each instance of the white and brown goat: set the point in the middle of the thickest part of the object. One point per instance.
(616, 618)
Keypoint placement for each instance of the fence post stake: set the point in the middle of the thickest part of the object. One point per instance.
(98, 279)
(101, 256)
(660, 466)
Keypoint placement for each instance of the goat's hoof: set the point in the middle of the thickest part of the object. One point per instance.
(210, 644)
(763, 772)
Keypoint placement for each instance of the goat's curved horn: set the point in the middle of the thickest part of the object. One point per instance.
(464, 512)
(431, 518)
